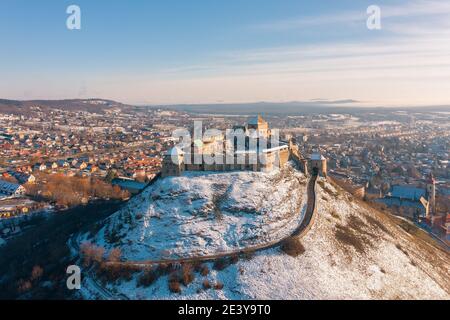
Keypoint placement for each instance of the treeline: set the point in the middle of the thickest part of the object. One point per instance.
(71, 191)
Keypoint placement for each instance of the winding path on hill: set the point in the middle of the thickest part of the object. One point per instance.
(299, 232)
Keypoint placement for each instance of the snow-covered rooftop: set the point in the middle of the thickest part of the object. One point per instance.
(317, 156)
(406, 192)
(8, 187)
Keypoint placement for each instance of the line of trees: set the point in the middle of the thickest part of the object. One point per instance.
(71, 191)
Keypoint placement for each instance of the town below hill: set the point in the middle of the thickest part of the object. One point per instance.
(70, 156)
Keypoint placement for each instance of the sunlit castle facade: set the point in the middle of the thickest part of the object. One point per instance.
(253, 147)
(260, 126)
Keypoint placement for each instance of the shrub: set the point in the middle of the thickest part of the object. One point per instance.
(91, 253)
(218, 285)
(293, 247)
(164, 268)
(206, 284)
(175, 279)
(204, 270)
(36, 273)
(24, 285)
(148, 277)
(221, 264)
(98, 254)
(187, 274)
(175, 276)
(114, 272)
(174, 286)
(114, 255)
(197, 266)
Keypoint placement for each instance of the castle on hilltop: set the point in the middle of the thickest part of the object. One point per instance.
(259, 150)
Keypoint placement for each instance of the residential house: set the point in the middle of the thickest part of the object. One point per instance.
(23, 178)
(8, 189)
(39, 167)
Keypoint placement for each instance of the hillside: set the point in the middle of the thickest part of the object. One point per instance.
(206, 213)
(88, 105)
(351, 252)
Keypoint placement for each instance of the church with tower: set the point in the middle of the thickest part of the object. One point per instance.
(413, 202)
(431, 195)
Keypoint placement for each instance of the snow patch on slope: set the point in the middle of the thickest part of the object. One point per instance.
(206, 213)
(352, 252)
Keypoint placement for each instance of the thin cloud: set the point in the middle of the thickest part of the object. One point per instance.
(417, 44)
(410, 10)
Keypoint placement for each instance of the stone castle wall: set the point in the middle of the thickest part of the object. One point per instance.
(273, 159)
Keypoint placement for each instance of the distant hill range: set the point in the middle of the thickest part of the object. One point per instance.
(295, 108)
(89, 105)
(268, 108)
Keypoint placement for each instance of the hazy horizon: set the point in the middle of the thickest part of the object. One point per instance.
(319, 103)
(203, 52)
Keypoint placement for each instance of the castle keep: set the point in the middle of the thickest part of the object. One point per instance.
(257, 152)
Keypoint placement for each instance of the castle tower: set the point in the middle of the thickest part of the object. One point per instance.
(318, 164)
(173, 163)
(260, 126)
(431, 193)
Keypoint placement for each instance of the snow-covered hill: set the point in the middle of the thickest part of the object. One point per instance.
(351, 252)
(206, 213)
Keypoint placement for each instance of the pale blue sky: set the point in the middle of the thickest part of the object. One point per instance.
(203, 51)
